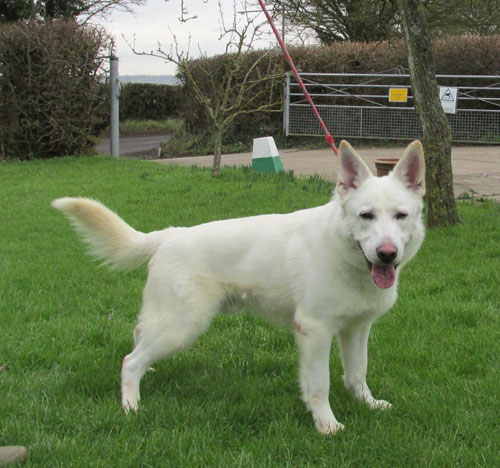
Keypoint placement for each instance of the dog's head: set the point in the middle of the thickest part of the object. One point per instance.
(382, 216)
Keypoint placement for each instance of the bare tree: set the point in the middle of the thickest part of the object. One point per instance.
(342, 20)
(436, 133)
(241, 81)
(376, 20)
(82, 10)
(92, 8)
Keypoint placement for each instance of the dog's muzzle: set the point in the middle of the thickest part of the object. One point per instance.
(383, 272)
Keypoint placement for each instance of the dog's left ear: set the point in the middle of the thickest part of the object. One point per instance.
(411, 168)
(351, 169)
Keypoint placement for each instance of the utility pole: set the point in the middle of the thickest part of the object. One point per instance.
(114, 124)
(283, 25)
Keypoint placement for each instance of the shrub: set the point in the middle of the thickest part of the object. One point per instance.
(52, 88)
(142, 101)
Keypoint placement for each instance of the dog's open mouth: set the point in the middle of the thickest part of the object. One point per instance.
(383, 274)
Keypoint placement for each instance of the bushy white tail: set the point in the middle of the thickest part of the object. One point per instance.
(110, 238)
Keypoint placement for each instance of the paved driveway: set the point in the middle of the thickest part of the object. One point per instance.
(475, 168)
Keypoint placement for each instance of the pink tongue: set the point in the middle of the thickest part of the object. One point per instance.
(383, 275)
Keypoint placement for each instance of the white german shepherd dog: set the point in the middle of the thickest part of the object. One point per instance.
(324, 272)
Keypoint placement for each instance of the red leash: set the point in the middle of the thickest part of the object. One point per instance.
(329, 139)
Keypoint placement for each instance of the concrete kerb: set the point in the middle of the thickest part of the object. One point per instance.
(476, 169)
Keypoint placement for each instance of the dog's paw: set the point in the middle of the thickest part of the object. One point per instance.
(328, 426)
(362, 392)
(379, 404)
(127, 406)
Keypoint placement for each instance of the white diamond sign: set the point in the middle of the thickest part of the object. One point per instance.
(448, 97)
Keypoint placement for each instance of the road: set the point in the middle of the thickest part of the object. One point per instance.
(134, 144)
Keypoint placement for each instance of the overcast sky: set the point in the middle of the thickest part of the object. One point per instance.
(151, 23)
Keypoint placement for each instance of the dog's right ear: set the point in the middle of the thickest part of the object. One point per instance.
(411, 168)
(351, 169)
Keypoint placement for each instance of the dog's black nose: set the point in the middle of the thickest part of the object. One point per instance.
(387, 253)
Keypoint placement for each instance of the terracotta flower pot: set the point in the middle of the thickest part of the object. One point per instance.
(385, 165)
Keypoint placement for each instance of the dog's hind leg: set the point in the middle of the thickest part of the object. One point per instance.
(353, 343)
(134, 367)
(166, 325)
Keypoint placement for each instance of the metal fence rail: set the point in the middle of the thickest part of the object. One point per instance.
(357, 105)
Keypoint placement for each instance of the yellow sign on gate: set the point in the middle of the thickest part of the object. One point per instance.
(398, 94)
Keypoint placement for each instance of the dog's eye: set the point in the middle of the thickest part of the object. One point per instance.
(401, 215)
(367, 215)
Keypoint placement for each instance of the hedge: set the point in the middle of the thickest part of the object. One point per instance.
(142, 101)
(52, 92)
(460, 55)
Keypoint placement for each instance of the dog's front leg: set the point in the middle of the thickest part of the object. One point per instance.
(354, 348)
(314, 344)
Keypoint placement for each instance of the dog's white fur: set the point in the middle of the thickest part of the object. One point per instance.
(324, 272)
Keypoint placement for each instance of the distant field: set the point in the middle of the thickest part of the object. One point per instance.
(147, 127)
(233, 399)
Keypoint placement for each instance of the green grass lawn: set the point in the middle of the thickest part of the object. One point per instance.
(233, 399)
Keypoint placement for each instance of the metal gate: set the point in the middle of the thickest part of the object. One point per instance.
(359, 106)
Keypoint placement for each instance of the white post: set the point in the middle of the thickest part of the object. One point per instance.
(286, 109)
(114, 125)
(265, 156)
